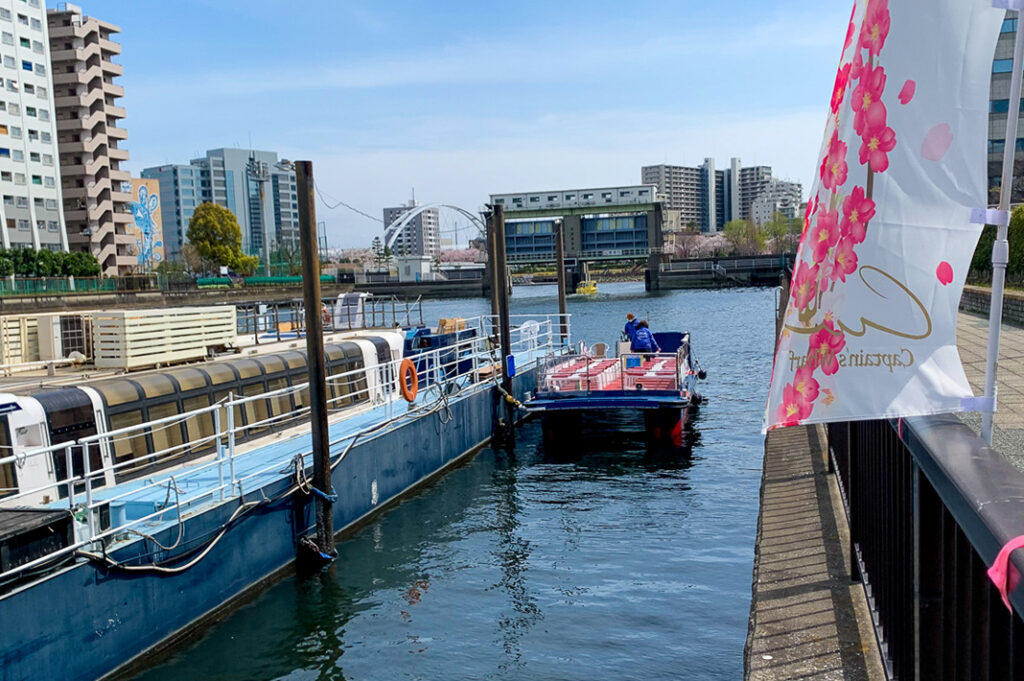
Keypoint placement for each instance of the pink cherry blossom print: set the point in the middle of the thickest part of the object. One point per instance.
(839, 90)
(845, 259)
(866, 95)
(857, 211)
(794, 407)
(833, 166)
(825, 233)
(805, 285)
(907, 92)
(877, 140)
(825, 346)
(937, 142)
(804, 383)
(875, 28)
(944, 272)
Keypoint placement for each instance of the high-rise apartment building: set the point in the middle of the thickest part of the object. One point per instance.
(31, 211)
(251, 184)
(97, 212)
(778, 196)
(422, 236)
(709, 198)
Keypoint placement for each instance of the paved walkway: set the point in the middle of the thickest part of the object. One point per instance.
(808, 618)
(972, 339)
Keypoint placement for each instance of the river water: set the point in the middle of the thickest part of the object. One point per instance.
(605, 561)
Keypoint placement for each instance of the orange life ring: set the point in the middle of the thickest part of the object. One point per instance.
(408, 381)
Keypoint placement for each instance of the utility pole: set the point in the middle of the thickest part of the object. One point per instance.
(497, 224)
(492, 265)
(563, 320)
(317, 371)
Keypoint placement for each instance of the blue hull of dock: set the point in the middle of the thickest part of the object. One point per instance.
(84, 622)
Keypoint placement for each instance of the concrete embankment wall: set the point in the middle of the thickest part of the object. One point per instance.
(84, 621)
(979, 299)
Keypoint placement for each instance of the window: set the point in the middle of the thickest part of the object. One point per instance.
(26, 65)
(40, 69)
(44, 136)
(47, 159)
(587, 196)
(33, 134)
(22, 202)
(5, 14)
(37, 47)
(9, 61)
(623, 194)
(51, 204)
(7, 38)
(3, 106)
(41, 92)
(18, 155)
(23, 224)
(33, 156)
(5, 152)
(12, 85)
(15, 109)
(25, 42)
(41, 225)
(29, 88)
(8, 200)
(15, 132)
(37, 179)
(30, 111)
(534, 199)
(1002, 66)
(3, 129)
(5, 175)
(52, 225)
(44, 114)
(553, 197)
(37, 25)
(48, 181)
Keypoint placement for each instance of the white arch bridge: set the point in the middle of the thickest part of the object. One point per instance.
(392, 231)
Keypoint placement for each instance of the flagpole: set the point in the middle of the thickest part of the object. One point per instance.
(1001, 247)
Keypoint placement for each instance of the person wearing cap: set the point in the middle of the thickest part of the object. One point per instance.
(630, 329)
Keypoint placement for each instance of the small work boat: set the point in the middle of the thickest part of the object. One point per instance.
(662, 386)
(587, 287)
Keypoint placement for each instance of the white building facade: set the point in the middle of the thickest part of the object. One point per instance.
(31, 211)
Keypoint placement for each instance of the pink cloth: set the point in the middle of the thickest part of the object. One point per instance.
(1003, 574)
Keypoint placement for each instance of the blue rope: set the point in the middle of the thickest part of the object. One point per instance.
(326, 497)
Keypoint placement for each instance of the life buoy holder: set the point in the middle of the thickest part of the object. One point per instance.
(325, 314)
(408, 381)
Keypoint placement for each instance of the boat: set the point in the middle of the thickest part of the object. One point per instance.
(662, 386)
(587, 287)
(152, 500)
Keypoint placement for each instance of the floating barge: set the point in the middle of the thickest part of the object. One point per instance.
(661, 386)
(150, 524)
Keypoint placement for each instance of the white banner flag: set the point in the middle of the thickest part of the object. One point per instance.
(870, 327)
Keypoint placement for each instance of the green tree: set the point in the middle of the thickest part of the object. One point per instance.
(744, 237)
(47, 264)
(215, 233)
(377, 248)
(82, 264)
(6, 263)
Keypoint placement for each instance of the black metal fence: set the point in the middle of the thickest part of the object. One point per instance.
(929, 506)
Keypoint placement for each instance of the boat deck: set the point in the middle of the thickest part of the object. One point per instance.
(599, 374)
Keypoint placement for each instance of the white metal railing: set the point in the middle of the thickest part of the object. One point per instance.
(445, 374)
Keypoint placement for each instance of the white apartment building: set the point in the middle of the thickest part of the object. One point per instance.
(421, 236)
(31, 212)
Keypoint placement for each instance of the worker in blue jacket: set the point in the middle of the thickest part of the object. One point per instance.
(630, 329)
(643, 339)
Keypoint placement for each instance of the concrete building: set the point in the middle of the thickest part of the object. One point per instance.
(249, 183)
(707, 197)
(88, 137)
(999, 106)
(598, 222)
(31, 210)
(778, 196)
(422, 236)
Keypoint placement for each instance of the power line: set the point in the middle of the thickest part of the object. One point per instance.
(327, 205)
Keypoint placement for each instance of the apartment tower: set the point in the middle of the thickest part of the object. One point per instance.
(31, 213)
(96, 205)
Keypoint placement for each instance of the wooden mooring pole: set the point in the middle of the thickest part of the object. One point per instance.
(563, 320)
(496, 228)
(317, 371)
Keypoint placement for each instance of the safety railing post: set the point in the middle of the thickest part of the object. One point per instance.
(220, 452)
(88, 490)
(71, 476)
(231, 437)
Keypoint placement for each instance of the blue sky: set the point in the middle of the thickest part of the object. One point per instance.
(463, 99)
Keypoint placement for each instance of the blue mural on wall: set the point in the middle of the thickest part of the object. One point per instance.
(148, 242)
